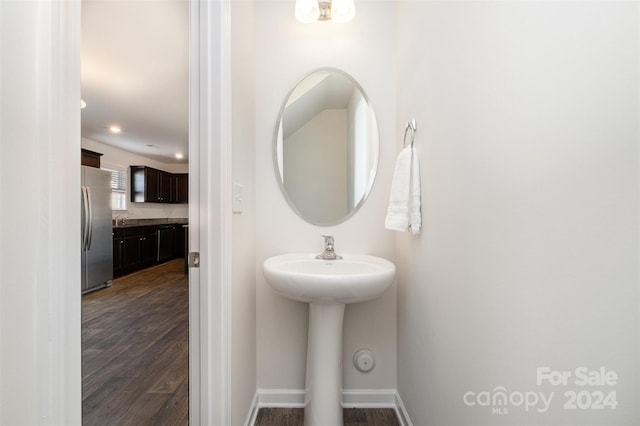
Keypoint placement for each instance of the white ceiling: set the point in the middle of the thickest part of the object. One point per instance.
(135, 74)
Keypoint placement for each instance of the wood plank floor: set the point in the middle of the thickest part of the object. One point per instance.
(351, 417)
(135, 349)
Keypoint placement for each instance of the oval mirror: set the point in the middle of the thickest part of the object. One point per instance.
(326, 147)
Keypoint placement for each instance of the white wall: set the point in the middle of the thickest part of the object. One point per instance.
(243, 287)
(285, 52)
(113, 156)
(528, 141)
(315, 166)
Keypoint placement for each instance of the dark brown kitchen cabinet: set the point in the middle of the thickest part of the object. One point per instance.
(138, 247)
(126, 251)
(166, 241)
(130, 252)
(149, 185)
(165, 187)
(179, 249)
(180, 188)
(148, 246)
(118, 248)
(134, 248)
(90, 158)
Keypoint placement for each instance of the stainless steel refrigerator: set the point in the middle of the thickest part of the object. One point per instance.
(97, 237)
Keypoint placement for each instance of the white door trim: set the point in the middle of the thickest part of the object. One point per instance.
(210, 213)
(58, 378)
(59, 311)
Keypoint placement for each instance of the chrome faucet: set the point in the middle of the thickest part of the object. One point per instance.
(328, 253)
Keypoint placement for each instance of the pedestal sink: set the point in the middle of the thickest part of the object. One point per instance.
(327, 285)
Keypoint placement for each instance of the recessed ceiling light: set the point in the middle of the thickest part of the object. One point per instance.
(115, 129)
(179, 156)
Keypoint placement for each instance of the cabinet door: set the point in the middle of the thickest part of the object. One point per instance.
(180, 188)
(165, 187)
(166, 241)
(152, 185)
(148, 247)
(118, 247)
(179, 249)
(131, 252)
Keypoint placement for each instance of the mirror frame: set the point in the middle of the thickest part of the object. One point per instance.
(276, 166)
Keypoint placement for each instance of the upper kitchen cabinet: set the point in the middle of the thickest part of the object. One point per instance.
(180, 187)
(149, 185)
(90, 158)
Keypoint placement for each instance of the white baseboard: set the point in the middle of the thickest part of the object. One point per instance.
(401, 411)
(351, 398)
(291, 398)
(253, 411)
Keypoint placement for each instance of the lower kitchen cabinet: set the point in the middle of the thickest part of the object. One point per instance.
(180, 246)
(130, 252)
(118, 248)
(148, 246)
(126, 252)
(166, 237)
(138, 247)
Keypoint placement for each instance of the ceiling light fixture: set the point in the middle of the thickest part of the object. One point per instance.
(308, 11)
(83, 104)
(179, 156)
(115, 129)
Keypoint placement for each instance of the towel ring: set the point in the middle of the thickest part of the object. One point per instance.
(413, 126)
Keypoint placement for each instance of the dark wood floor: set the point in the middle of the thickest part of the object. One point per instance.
(135, 343)
(351, 417)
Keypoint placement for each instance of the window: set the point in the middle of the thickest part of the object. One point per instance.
(118, 187)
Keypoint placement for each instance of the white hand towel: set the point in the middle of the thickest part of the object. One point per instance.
(404, 212)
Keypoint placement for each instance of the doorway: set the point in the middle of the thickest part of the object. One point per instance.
(135, 334)
(46, 385)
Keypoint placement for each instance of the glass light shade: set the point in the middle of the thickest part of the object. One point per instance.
(342, 10)
(307, 11)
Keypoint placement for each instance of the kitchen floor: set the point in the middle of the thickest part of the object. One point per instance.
(135, 349)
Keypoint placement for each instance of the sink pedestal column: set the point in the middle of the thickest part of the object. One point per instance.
(323, 386)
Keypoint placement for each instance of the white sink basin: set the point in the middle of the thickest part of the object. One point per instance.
(354, 278)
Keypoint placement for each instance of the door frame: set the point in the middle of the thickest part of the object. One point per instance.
(209, 213)
(58, 384)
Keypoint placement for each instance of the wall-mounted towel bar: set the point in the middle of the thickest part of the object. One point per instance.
(411, 125)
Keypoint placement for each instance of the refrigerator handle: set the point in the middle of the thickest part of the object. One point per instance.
(85, 223)
(90, 222)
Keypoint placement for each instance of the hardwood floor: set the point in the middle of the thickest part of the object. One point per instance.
(135, 356)
(351, 417)
(135, 349)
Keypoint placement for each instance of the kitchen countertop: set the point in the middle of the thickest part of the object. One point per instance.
(129, 223)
